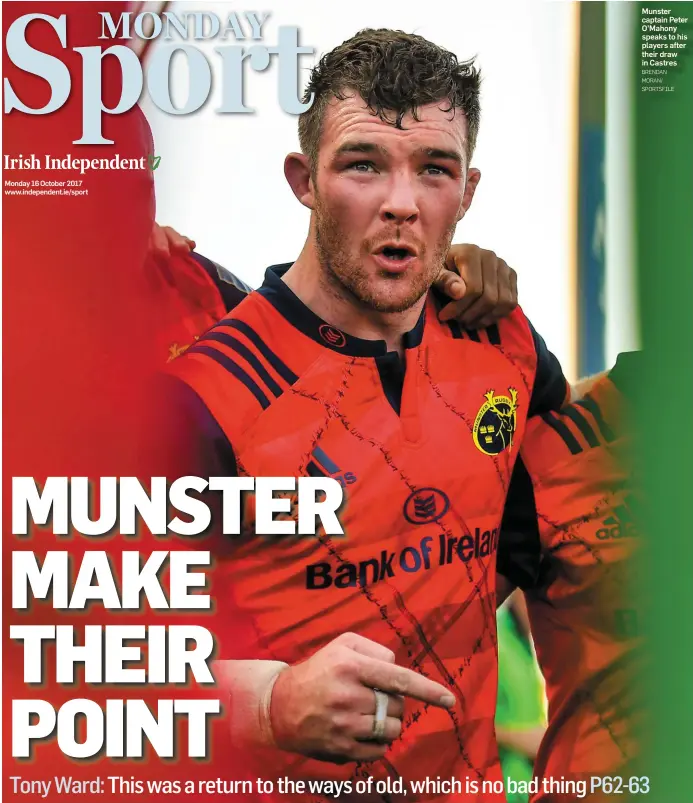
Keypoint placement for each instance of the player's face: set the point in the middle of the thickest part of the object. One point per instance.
(387, 201)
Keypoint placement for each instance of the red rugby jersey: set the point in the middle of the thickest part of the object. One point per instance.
(425, 450)
(192, 294)
(584, 619)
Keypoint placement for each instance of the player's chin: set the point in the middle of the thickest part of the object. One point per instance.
(390, 296)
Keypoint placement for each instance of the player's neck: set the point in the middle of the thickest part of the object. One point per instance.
(307, 279)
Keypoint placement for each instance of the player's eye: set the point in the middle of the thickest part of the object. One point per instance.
(361, 167)
(436, 170)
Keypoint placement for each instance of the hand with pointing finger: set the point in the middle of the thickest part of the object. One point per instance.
(482, 286)
(327, 706)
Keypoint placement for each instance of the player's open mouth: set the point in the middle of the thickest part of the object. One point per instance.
(396, 253)
(395, 259)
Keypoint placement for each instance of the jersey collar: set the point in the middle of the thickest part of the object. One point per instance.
(290, 306)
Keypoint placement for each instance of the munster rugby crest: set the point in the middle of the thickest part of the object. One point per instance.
(495, 423)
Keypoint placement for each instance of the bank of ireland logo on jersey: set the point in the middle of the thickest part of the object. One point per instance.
(495, 422)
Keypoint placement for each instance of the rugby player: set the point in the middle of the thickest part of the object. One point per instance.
(586, 638)
(584, 621)
(340, 366)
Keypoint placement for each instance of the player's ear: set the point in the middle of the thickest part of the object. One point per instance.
(299, 175)
(473, 179)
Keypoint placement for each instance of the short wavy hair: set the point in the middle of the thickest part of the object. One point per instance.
(395, 73)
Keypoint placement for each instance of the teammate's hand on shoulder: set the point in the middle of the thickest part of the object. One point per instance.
(165, 241)
(483, 288)
(325, 707)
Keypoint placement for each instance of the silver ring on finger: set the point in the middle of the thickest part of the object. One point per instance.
(380, 716)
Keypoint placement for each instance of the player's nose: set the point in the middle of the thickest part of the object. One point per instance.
(400, 204)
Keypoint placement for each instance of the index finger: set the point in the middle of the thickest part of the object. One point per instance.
(450, 284)
(395, 679)
(466, 261)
